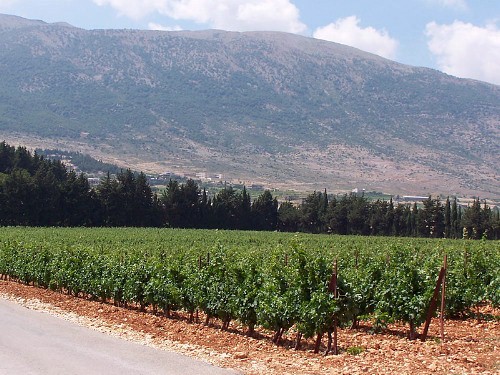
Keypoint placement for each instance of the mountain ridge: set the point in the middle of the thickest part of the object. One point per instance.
(268, 107)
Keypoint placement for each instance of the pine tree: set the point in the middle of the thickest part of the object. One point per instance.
(127, 195)
(226, 209)
(6, 157)
(110, 201)
(79, 204)
(143, 202)
(182, 204)
(19, 204)
(47, 193)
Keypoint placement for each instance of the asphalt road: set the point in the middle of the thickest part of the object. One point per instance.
(34, 342)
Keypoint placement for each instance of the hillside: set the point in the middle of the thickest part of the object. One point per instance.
(258, 107)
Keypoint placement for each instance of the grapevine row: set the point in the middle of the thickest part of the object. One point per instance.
(277, 287)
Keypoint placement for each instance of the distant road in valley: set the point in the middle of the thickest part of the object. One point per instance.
(33, 342)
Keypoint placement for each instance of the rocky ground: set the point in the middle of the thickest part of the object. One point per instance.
(471, 346)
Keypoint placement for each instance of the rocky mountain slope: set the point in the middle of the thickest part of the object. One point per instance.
(258, 107)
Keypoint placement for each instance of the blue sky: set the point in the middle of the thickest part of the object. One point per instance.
(459, 37)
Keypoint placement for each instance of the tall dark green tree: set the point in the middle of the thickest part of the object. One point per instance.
(127, 196)
(6, 157)
(245, 211)
(144, 210)
(227, 209)
(182, 204)
(265, 212)
(414, 221)
(431, 218)
(48, 196)
(79, 205)
(205, 210)
(447, 218)
(390, 218)
(110, 201)
(288, 217)
(495, 224)
(337, 214)
(24, 160)
(312, 212)
(379, 224)
(18, 203)
(477, 221)
(358, 212)
(399, 220)
(454, 220)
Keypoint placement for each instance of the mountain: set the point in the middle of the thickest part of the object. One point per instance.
(259, 107)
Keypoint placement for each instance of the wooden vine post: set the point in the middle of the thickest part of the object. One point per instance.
(440, 285)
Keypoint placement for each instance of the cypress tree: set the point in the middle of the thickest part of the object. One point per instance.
(414, 220)
(390, 219)
(454, 223)
(447, 218)
(245, 211)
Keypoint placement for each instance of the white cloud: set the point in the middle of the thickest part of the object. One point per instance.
(237, 15)
(157, 26)
(347, 31)
(133, 9)
(466, 50)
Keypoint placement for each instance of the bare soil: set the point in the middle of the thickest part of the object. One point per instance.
(471, 346)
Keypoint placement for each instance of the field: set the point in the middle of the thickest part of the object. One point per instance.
(272, 287)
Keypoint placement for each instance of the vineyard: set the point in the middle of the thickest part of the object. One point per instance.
(273, 280)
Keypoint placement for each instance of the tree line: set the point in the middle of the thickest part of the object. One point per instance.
(35, 191)
(83, 161)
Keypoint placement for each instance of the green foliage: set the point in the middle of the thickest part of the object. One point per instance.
(405, 288)
(270, 279)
